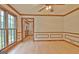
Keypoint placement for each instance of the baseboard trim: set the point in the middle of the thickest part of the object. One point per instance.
(72, 43)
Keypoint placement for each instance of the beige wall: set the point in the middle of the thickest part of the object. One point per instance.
(47, 23)
(71, 22)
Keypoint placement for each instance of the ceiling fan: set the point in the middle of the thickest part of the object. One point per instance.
(48, 7)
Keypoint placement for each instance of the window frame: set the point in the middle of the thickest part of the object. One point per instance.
(3, 29)
(6, 12)
(12, 28)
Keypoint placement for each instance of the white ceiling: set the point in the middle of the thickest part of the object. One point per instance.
(34, 8)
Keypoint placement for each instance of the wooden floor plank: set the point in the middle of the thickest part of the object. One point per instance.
(44, 47)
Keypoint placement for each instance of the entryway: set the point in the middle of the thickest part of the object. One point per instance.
(27, 27)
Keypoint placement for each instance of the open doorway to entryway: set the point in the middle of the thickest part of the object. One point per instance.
(27, 28)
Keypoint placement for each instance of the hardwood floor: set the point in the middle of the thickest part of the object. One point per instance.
(44, 47)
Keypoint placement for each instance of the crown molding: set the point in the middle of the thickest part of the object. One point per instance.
(13, 8)
(73, 10)
(40, 15)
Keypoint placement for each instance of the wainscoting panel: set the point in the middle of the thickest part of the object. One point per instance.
(72, 38)
(42, 35)
(48, 36)
(56, 35)
(19, 36)
(66, 36)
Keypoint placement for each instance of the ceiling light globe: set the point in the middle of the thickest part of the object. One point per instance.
(49, 7)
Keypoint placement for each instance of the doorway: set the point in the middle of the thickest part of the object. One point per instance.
(27, 28)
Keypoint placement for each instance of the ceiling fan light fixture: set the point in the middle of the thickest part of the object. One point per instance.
(48, 7)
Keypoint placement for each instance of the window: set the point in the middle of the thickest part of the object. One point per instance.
(2, 30)
(11, 29)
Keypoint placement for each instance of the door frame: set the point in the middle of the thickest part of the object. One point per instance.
(22, 19)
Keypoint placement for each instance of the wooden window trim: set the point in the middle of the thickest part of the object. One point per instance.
(6, 28)
(6, 10)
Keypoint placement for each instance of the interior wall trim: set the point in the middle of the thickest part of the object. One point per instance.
(41, 15)
(59, 32)
(63, 35)
(73, 10)
(8, 11)
(13, 9)
(72, 35)
(58, 35)
(48, 34)
(72, 39)
(22, 19)
(42, 35)
(72, 43)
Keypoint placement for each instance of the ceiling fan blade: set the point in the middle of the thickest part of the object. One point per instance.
(42, 8)
(51, 10)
